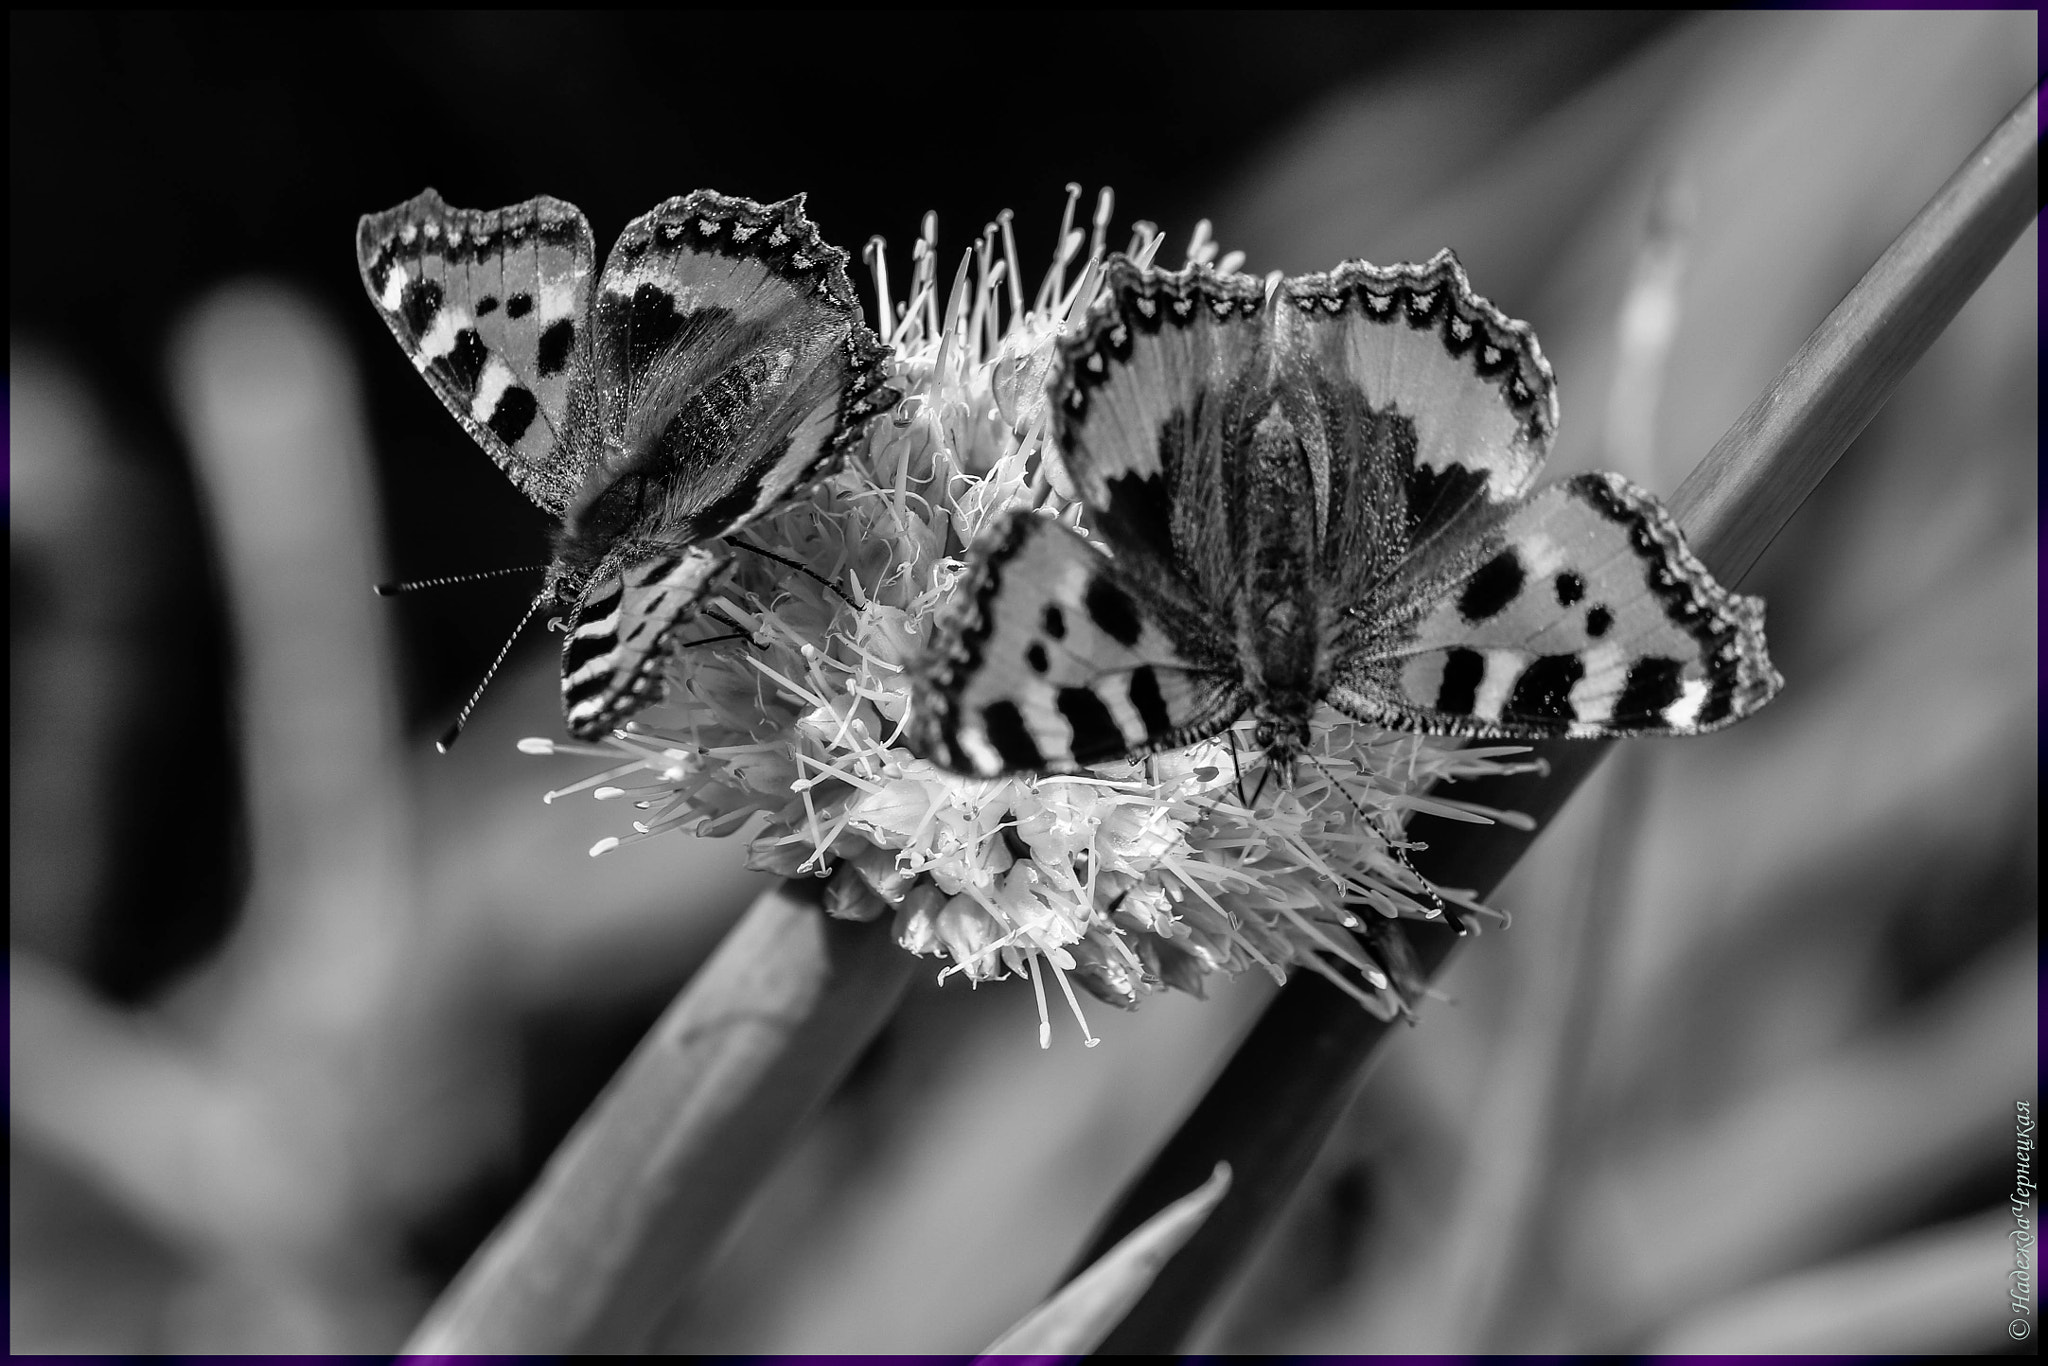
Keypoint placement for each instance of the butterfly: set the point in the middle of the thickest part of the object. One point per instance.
(1321, 489)
(714, 367)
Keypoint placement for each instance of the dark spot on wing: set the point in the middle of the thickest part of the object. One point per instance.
(1096, 736)
(515, 412)
(465, 361)
(1544, 691)
(418, 302)
(1570, 588)
(1492, 587)
(1150, 704)
(519, 305)
(1140, 511)
(1598, 619)
(1464, 671)
(1434, 496)
(650, 327)
(1652, 686)
(551, 355)
(1055, 621)
(1113, 611)
(1035, 657)
(487, 304)
(1013, 743)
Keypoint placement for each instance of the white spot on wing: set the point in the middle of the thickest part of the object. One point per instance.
(1115, 693)
(1542, 556)
(980, 752)
(497, 378)
(1685, 712)
(1503, 667)
(440, 338)
(1593, 696)
(394, 289)
(557, 298)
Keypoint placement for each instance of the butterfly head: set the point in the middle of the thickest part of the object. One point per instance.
(1282, 733)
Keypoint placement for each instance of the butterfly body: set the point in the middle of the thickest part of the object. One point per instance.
(713, 368)
(1322, 491)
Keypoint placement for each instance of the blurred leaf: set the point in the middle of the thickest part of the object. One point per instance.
(1933, 1292)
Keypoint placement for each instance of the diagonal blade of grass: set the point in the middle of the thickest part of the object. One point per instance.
(1087, 1307)
(1276, 1101)
(636, 1200)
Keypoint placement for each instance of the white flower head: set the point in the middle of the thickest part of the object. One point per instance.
(791, 695)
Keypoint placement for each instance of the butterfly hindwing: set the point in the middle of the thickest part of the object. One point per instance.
(1588, 616)
(491, 307)
(622, 631)
(1053, 657)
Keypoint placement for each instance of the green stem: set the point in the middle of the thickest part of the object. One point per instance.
(1281, 1094)
(634, 1204)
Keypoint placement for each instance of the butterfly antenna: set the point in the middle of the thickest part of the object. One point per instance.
(448, 737)
(801, 569)
(1342, 790)
(392, 590)
(1400, 849)
(738, 632)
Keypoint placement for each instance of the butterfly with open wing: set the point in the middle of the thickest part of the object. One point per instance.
(714, 368)
(1321, 489)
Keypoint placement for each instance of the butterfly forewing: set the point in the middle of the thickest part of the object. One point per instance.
(490, 305)
(1589, 617)
(1053, 658)
(1424, 415)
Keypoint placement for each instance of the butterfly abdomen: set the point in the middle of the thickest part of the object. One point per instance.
(1279, 629)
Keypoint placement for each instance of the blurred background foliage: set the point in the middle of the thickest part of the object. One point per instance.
(297, 1008)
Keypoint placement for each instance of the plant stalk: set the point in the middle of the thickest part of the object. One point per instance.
(636, 1201)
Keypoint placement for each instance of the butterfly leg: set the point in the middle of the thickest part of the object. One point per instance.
(801, 569)
(1237, 768)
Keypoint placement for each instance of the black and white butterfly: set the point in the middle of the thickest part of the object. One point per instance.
(717, 365)
(1321, 490)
